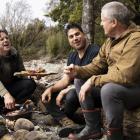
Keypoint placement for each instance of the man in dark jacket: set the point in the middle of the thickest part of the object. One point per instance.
(12, 89)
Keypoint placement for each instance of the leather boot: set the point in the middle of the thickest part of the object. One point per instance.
(68, 126)
(114, 134)
(92, 129)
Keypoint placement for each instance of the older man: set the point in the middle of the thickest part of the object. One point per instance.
(116, 70)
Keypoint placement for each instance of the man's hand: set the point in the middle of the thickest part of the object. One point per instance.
(70, 70)
(9, 101)
(86, 87)
(46, 96)
(61, 96)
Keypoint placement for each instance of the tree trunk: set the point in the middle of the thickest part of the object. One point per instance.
(88, 19)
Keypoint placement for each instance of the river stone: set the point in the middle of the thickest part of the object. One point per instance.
(7, 137)
(36, 135)
(132, 124)
(23, 123)
(20, 134)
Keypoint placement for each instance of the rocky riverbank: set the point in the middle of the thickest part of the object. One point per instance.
(41, 127)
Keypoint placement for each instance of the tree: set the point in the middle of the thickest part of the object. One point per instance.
(34, 35)
(15, 19)
(23, 30)
(134, 6)
(16, 16)
(66, 11)
(87, 12)
(88, 18)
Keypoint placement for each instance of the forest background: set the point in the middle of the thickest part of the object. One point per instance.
(34, 39)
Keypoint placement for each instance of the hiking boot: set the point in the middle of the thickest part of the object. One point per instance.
(85, 134)
(92, 129)
(65, 121)
(68, 126)
(49, 120)
(65, 131)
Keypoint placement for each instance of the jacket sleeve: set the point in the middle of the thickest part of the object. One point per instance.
(97, 66)
(127, 69)
(3, 90)
(20, 63)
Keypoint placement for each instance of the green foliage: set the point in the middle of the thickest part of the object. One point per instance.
(71, 11)
(57, 44)
(99, 35)
(33, 37)
(76, 14)
(32, 53)
(134, 5)
(67, 11)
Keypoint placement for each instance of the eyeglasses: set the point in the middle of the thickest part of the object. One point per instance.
(69, 26)
(66, 26)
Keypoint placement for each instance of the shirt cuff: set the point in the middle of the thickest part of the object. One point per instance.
(95, 80)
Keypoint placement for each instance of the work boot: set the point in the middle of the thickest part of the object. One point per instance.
(78, 118)
(68, 126)
(114, 134)
(86, 134)
(65, 121)
(92, 130)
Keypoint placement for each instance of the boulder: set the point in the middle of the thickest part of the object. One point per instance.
(132, 124)
(20, 134)
(36, 135)
(7, 137)
(23, 124)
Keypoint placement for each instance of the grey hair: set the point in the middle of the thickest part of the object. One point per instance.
(117, 10)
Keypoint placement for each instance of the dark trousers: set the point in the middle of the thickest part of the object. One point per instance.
(20, 88)
(93, 99)
(115, 98)
(70, 105)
